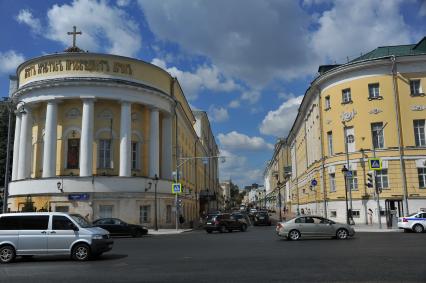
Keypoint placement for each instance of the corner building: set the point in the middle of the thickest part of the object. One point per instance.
(93, 134)
(372, 106)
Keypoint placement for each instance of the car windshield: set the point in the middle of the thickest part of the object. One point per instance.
(211, 216)
(412, 214)
(80, 220)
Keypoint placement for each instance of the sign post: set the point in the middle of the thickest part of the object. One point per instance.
(375, 164)
(176, 189)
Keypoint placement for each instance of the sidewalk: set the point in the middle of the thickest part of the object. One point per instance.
(375, 228)
(167, 231)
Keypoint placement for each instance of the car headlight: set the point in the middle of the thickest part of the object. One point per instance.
(97, 237)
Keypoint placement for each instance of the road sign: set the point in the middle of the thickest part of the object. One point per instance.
(314, 182)
(75, 197)
(349, 173)
(375, 163)
(176, 188)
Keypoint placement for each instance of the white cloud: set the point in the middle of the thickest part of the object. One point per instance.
(237, 141)
(218, 114)
(9, 61)
(251, 96)
(268, 39)
(352, 27)
(123, 3)
(205, 77)
(237, 168)
(422, 11)
(105, 28)
(234, 104)
(279, 122)
(26, 17)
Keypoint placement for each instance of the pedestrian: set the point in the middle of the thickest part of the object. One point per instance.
(181, 219)
(370, 216)
(302, 211)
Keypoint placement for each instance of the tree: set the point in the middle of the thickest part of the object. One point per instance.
(4, 119)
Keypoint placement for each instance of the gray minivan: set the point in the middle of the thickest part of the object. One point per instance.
(50, 233)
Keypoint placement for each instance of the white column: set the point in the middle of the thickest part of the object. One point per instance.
(154, 143)
(86, 141)
(50, 139)
(24, 159)
(16, 147)
(125, 139)
(166, 157)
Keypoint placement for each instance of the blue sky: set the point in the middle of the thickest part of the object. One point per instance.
(246, 62)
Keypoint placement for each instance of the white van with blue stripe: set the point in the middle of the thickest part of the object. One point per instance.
(415, 222)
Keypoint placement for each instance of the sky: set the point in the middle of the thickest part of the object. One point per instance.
(247, 63)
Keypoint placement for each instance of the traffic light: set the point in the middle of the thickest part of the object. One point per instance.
(179, 202)
(370, 179)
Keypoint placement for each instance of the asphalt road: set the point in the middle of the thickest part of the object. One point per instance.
(257, 255)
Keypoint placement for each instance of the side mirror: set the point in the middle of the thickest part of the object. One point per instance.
(73, 227)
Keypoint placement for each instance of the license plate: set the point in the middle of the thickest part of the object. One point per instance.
(261, 218)
(209, 223)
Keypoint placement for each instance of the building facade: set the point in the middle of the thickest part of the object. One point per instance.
(373, 106)
(99, 134)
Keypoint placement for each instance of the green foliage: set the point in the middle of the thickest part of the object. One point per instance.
(4, 116)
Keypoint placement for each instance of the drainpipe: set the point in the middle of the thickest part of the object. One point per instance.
(172, 92)
(400, 139)
(324, 190)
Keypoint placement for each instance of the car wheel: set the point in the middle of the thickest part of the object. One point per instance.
(418, 228)
(342, 234)
(7, 254)
(137, 234)
(81, 252)
(222, 229)
(243, 228)
(209, 231)
(294, 235)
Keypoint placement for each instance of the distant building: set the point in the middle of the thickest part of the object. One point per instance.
(96, 134)
(373, 106)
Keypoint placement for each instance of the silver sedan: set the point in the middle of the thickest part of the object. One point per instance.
(313, 226)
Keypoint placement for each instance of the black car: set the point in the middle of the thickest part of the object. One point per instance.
(223, 222)
(117, 227)
(261, 218)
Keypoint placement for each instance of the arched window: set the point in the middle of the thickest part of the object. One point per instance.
(105, 137)
(136, 147)
(72, 148)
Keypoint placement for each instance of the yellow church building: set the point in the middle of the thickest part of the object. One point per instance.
(98, 134)
(373, 106)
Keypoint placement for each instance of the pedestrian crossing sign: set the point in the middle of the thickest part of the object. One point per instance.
(176, 188)
(375, 163)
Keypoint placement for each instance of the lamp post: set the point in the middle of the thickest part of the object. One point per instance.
(155, 203)
(12, 106)
(345, 171)
(345, 134)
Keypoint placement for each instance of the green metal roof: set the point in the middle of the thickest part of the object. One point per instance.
(398, 50)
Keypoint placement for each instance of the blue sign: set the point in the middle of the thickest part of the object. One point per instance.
(375, 164)
(349, 174)
(75, 197)
(314, 182)
(176, 188)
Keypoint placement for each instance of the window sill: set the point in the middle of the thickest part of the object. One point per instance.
(347, 102)
(421, 94)
(375, 98)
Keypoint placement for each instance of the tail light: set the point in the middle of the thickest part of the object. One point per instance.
(404, 220)
(279, 226)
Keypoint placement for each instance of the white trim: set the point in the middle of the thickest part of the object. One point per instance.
(421, 163)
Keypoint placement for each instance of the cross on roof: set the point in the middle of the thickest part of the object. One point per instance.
(74, 35)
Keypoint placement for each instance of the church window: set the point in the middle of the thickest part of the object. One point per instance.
(105, 153)
(73, 153)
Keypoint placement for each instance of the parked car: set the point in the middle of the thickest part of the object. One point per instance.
(313, 226)
(50, 233)
(242, 215)
(224, 222)
(118, 227)
(262, 218)
(415, 222)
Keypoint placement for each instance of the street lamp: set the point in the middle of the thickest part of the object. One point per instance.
(345, 172)
(12, 107)
(155, 202)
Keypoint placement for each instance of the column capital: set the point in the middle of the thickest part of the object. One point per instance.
(125, 102)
